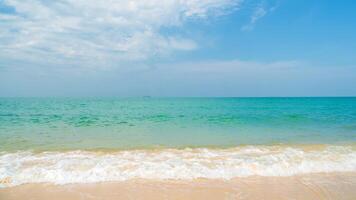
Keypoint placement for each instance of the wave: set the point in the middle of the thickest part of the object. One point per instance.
(180, 164)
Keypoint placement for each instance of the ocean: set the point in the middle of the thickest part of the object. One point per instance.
(85, 140)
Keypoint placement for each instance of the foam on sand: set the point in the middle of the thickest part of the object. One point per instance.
(185, 164)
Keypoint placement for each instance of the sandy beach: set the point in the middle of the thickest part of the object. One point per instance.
(303, 187)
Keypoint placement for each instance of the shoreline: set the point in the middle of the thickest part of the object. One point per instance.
(78, 167)
(153, 149)
(303, 187)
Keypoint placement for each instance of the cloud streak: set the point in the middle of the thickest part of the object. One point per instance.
(80, 32)
(259, 12)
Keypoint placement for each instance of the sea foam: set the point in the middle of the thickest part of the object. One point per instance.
(185, 164)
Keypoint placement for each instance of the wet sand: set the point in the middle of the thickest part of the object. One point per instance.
(303, 187)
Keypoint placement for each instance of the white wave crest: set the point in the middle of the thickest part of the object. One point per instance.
(88, 167)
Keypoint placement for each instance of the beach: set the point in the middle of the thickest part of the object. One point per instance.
(250, 172)
(306, 187)
(178, 148)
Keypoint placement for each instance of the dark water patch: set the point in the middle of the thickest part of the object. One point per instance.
(296, 117)
(350, 127)
(122, 122)
(224, 119)
(9, 115)
(158, 118)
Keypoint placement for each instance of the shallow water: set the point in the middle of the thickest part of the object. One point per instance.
(131, 123)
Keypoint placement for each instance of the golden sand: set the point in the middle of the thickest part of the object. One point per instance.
(305, 187)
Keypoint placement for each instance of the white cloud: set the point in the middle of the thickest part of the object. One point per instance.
(101, 31)
(230, 67)
(260, 11)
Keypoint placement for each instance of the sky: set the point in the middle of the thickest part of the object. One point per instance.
(239, 48)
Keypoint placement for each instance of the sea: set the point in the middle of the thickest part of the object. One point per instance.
(89, 140)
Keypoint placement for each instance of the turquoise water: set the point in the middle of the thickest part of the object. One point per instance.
(136, 123)
(64, 140)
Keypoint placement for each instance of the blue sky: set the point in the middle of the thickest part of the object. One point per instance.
(177, 48)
